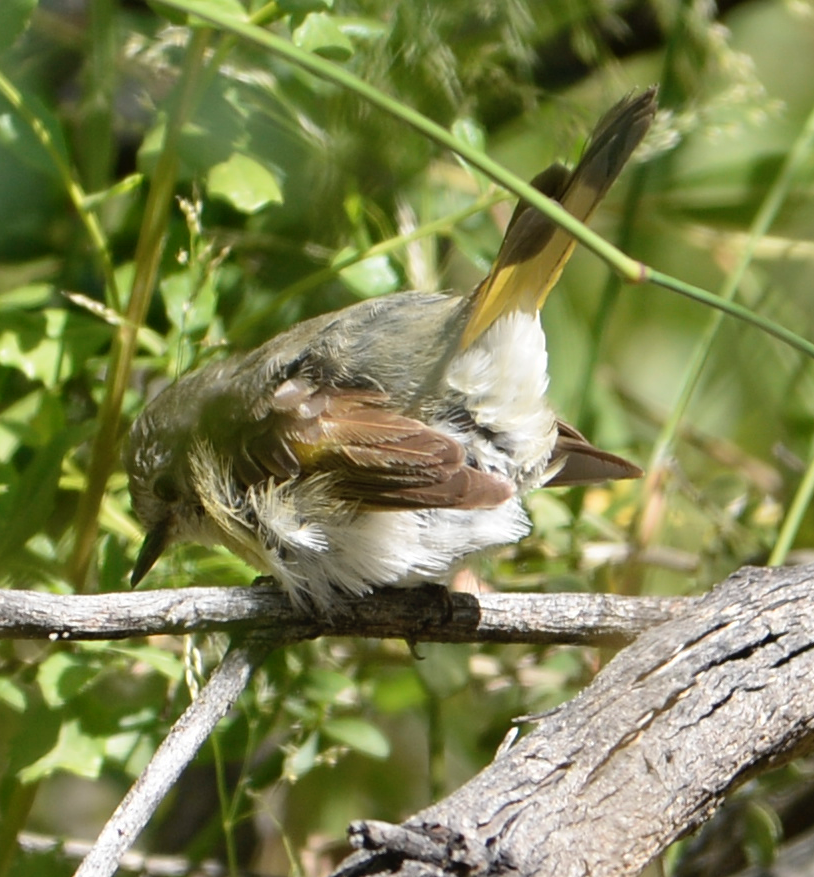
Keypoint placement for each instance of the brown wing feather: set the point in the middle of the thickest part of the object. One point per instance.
(379, 458)
(584, 463)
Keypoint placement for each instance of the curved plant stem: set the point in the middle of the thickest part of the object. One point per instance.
(629, 269)
(76, 193)
(723, 302)
(726, 306)
(442, 225)
(794, 516)
(148, 255)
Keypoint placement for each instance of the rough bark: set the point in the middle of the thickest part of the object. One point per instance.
(420, 614)
(642, 756)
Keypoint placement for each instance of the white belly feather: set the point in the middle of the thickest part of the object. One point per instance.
(292, 533)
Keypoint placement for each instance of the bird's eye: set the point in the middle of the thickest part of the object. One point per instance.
(164, 488)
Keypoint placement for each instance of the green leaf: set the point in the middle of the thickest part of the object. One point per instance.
(232, 8)
(63, 675)
(14, 18)
(359, 735)
(370, 277)
(164, 662)
(33, 295)
(206, 140)
(74, 752)
(398, 690)
(301, 760)
(28, 502)
(362, 29)
(218, 7)
(35, 737)
(19, 139)
(47, 344)
(245, 183)
(172, 15)
(468, 131)
(12, 695)
(35, 419)
(27, 347)
(186, 312)
(320, 34)
(325, 686)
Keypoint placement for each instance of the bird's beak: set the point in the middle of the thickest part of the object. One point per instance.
(151, 549)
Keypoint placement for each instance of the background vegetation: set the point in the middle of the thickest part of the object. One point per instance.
(278, 195)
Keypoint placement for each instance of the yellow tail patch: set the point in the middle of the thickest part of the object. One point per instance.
(535, 249)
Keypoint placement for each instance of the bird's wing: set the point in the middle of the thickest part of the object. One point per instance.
(376, 457)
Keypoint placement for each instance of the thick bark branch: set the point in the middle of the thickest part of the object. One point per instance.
(600, 785)
(419, 614)
(604, 783)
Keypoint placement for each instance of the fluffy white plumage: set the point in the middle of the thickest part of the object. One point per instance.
(314, 549)
(383, 444)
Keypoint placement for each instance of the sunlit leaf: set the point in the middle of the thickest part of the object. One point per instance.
(358, 28)
(371, 277)
(23, 297)
(399, 690)
(359, 735)
(245, 183)
(325, 686)
(320, 34)
(302, 759)
(63, 675)
(74, 752)
(12, 695)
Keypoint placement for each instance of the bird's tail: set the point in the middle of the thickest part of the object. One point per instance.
(534, 249)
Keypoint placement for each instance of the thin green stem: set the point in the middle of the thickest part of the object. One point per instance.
(794, 516)
(629, 269)
(733, 309)
(723, 302)
(226, 808)
(442, 225)
(72, 186)
(148, 255)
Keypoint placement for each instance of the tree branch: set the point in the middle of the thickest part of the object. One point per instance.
(179, 747)
(699, 703)
(645, 754)
(428, 614)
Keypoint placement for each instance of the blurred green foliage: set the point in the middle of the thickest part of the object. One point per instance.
(283, 185)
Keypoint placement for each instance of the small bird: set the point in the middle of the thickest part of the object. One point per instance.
(382, 444)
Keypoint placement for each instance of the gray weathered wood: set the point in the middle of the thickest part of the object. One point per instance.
(419, 614)
(604, 783)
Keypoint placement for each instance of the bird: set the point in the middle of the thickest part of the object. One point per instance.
(385, 443)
